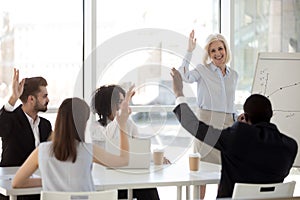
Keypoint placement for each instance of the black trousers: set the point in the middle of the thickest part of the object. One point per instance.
(140, 194)
(23, 197)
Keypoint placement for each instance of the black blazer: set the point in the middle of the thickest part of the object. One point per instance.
(17, 136)
(250, 153)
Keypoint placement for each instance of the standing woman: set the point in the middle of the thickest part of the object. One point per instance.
(65, 162)
(216, 85)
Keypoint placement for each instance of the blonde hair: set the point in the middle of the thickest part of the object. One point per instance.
(210, 39)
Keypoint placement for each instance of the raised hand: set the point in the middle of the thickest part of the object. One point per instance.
(17, 87)
(124, 111)
(192, 42)
(129, 94)
(177, 82)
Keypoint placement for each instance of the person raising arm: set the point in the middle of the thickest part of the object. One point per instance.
(65, 162)
(253, 150)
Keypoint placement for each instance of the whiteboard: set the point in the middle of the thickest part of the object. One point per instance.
(277, 76)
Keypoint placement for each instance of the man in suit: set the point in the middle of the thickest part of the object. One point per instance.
(21, 129)
(252, 150)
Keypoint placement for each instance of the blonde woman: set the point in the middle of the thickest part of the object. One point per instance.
(216, 85)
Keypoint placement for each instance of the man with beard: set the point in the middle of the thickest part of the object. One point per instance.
(21, 129)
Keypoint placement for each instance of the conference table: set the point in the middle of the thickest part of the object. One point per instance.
(176, 174)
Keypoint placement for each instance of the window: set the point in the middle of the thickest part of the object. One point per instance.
(139, 42)
(262, 26)
(41, 38)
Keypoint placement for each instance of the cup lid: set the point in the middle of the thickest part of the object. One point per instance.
(158, 150)
(195, 155)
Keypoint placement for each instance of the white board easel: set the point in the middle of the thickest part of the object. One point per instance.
(277, 76)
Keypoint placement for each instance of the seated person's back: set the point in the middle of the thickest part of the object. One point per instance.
(252, 150)
(255, 154)
(66, 176)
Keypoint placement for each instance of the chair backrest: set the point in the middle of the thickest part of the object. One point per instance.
(263, 191)
(105, 195)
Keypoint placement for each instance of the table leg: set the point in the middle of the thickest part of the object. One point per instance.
(179, 192)
(196, 191)
(12, 197)
(130, 194)
(188, 192)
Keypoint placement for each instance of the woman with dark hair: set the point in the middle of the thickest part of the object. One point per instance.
(65, 162)
(106, 101)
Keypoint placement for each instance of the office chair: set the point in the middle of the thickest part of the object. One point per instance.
(97, 195)
(263, 191)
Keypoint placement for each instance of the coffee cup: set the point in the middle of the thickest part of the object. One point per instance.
(194, 161)
(158, 156)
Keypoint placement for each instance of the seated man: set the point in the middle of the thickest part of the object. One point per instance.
(252, 150)
(22, 129)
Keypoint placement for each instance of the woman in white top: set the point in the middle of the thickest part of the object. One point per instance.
(216, 85)
(65, 162)
(106, 101)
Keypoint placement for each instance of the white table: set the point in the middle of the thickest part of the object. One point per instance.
(177, 174)
(6, 175)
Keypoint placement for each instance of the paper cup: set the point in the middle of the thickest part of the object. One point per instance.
(194, 161)
(158, 156)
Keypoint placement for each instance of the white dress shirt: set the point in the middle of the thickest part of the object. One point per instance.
(34, 124)
(35, 129)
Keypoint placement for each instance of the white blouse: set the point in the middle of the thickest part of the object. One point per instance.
(100, 134)
(65, 175)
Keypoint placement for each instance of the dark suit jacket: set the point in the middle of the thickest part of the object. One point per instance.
(250, 153)
(17, 136)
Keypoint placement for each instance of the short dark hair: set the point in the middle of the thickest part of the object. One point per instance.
(32, 87)
(258, 108)
(103, 100)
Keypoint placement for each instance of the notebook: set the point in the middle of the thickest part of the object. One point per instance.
(139, 152)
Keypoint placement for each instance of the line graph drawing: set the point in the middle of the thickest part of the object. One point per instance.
(277, 77)
(264, 78)
(282, 88)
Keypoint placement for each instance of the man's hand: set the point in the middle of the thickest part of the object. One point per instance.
(177, 82)
(17, 88)
(242, 118)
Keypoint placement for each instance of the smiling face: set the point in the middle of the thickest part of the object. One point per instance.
(217, 53)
